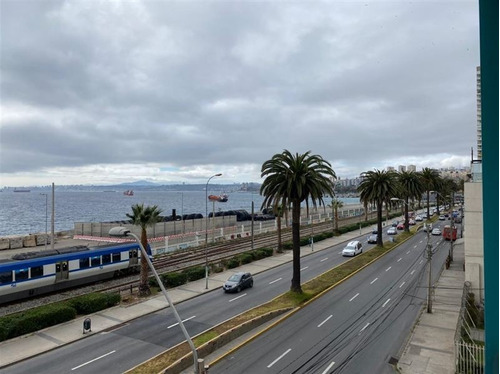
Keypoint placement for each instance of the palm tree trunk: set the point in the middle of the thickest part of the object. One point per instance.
(144, 289)
(428, 204)
(280, 246)
(379, 224)
(295, 287)
(407, 223)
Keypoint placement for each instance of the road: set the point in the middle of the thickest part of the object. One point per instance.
(355, 328)
(127, 346)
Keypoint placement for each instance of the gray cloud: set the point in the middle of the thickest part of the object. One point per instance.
(198, 86)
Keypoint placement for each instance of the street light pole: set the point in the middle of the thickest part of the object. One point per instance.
(206, 228)
(122, 231)
(429, 288)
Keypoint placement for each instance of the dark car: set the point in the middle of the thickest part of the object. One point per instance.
(238, 282)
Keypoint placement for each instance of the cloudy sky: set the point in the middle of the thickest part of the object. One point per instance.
(100, 92)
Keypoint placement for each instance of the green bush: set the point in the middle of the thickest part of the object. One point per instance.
(94, 302)
(245, 258)
(233, 263)
(287, 245)
(304, 241)
(35, 319)
(195, 273)
(153, 282)
(173, 279)
(268, 252)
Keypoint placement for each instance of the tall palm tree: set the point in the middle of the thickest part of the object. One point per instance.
(411, 187)
(293, 179)
(144, 217)
(379, 187)
(428, 177)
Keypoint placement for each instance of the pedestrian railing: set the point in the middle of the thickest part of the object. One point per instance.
(469, 356)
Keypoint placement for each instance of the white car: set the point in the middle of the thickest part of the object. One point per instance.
(436, 231)
(352, 248)
(392, 231)
(419, 218)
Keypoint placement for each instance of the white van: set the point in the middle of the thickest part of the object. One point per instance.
(352, 248)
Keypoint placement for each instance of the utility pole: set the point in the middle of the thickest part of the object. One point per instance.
(252, 223)
(429, 289)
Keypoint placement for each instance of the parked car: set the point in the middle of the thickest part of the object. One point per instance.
(392, 231)
(238, 282)
(372, 239)
(436, 231)
(352, 248)
(442, 218)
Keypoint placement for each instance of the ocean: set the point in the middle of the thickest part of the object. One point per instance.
(25, 212)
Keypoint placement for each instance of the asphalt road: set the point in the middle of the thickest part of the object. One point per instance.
(129, 345)
(355, 328)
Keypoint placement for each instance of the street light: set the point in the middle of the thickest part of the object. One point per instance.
(206, 228)
(124, 232)
(46, 203)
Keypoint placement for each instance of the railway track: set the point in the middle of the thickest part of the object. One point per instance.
(181, 260)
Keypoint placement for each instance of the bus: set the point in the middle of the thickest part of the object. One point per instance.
(450, 233)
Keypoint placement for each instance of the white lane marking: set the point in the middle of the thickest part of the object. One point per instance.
(389, 268)
(399, 259)
(414, 246)
(95, 359)
(386, 303)
(355, 296)
(408, 252)
(421, 241)
(421, 261)
(340, 253)
(276, 280)
(326, 258)
(175, 324)
(412, 272)
(279, 358)
(402, 284)
(328, 368)
(236, 298)
(373, 281)
(321, 324)
(304, 268)
(365, 327)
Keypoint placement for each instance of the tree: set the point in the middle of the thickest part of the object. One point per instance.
(292, 179)
(410, 188)
(378, 187)
(428, 177)
(278, 212)
(336, 205)
(144, 217)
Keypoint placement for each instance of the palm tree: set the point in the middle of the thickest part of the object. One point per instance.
(278, 212)
(336, 205)
(410, 187)
(379, 187)
(292, 179)
(428, 177)
(144, 217)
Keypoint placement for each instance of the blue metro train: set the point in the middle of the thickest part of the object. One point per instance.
(35, 273)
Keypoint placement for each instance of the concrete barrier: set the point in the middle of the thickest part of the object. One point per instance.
(4, 243)
(16, 242)
(29, 241)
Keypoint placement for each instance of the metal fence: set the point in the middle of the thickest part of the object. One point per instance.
(469, 356)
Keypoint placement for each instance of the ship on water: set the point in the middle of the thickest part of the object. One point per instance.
(21, 190)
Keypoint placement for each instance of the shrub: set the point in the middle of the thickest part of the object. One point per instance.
(287, 245)
(93, 302)
(173, 279)
(35, 319)
(233, 263)
(268, 252)
(153, 282)
(194, 273)
(245, 258)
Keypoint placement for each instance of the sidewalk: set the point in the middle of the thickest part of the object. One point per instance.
(431, 348)
(29, 345)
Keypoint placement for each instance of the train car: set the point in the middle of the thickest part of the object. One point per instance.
(36, 273)
(450, 233)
